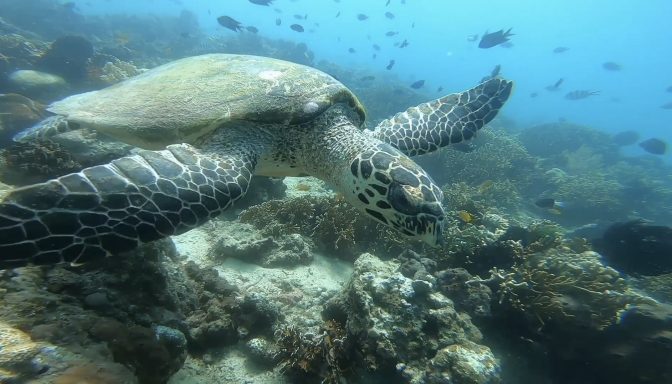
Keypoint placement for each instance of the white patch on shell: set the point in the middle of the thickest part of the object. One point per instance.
(270, 75)
(310, 107)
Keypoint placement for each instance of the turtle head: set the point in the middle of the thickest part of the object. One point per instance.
(389, 187)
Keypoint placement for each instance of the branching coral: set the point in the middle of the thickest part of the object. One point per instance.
(563, 287)
(322, 355)
(331, 222)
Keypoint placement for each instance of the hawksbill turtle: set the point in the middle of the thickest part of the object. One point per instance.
(206, 124)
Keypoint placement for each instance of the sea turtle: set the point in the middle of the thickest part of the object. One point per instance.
(207, 124)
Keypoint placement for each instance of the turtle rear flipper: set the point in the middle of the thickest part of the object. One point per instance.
(49, 127)
(111, 208)
(447, 120)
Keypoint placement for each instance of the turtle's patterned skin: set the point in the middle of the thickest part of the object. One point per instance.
(444, 121)
(111, 208)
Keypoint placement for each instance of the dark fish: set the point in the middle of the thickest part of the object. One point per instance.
(611, 66)
(296, 27)
(440, 89)
(374, 56)
(388, 3)
(654, 146)
(351, 50)
(413, 25)
(507, 44)
(637, 247)
(560, 49)
(300, 17)
(252, 29)
(261, 2)
(390, 65)
(549, 203)
(185, 35)
(667, 105)
(418, 84)
(490, 40)
(278, 21)
(362, 17)
(230, 23)
(367, 78)
(403, 44)
(580, 94)
(556, 86)
(376, 47)
(391, 33)
(389, 15)
(625, 138)
(472, 38)
(534, 94)
(338, 14)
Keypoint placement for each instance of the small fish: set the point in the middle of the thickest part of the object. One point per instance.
(495, 71)
(667, 105)
(560, 49)
(418, 84)
(580, 94)
(389, 15)
(296, 27)
(230, 23)
(466, 217)
(472, 38)
(440, 89)
(390, 65)
(668, 89)
(549, 203)
(367, 78)
(654, 146)
(391, 33)
(362, 17)
(300, 17)
(185, 35)
(374, 56)
(338, 14)
(534, 94)
(490, 40)
(485, 186)
(261, 2)
(252, 29)
(611, 66)
(376, 47)
(403, 44)
(351, 50)
(278, 21)
(625, 138)
(388, 3)
(554, 87)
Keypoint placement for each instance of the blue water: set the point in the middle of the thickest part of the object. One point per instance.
(630, 33)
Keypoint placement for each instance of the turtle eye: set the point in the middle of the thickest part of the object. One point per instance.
(401, 199)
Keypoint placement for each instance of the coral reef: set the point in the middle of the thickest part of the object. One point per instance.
(565, 287)
(399, 324)
(16, 114)
(333, 224)
(34, 162)
(67, 57)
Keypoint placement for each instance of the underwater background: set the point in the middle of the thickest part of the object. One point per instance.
(557, 262)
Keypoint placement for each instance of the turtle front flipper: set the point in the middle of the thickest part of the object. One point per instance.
(447, 120)
(111, 208)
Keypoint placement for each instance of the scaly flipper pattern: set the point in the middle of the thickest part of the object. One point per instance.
(448, 120)
(111, 208)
